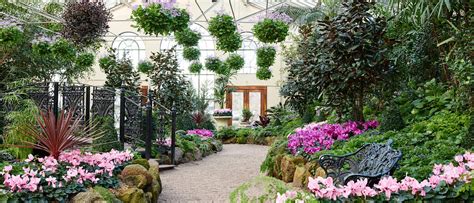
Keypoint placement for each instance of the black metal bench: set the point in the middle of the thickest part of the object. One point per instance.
(372, 161)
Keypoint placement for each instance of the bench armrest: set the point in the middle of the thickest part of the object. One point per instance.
(333, 165)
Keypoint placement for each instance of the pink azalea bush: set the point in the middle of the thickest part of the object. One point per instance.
(203, 133)
(222, 112)
(56, 179)
(315, 137)
(447, 181)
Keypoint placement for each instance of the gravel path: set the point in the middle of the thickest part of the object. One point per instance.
(213, 178)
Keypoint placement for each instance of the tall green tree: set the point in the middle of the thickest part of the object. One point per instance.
(119, 72)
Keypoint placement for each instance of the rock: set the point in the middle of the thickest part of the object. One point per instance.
(231, 140)
(288, 167)
(250, 140)
(217, 145)
(131, 195)
(89, 196)
(178, 155)
(188, 156)
(164, 159)
(6, 156)
(136, 175)
(106, 194)
(154, 169)
(310, 170)
(320, 172)
(299, 176)
(155, 190)
(142, 162)
(197, 155)
(277, 166)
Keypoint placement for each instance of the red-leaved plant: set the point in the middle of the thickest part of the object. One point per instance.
(57, 134)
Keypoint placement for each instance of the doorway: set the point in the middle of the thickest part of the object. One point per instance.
(253, 98)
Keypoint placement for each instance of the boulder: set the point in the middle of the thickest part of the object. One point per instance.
(131, 195)
(178, 155)
(154, 169)
(320, 172)
(197, 155)
(231, 140)
(142, 162)
(164, 159)
(89, 196)
(106, 194)
(136, 175)
(188, 157)
(269, 140)
(310, 170)
(299, 176)
(155, 190)
(277, 166)
(288, 167)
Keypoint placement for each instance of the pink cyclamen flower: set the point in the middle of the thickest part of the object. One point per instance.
(388, 185)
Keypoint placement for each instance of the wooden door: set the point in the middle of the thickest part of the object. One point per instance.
(247, 97)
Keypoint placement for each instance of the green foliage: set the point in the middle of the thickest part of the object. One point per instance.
(214, 64)
(106, 194)
(246, 115)
(278, 148)
(85, 59)
(235, 61)
(155, 20)
(171, 87)
(145, 66)
(245, 132)
(10, 37)
(229, 43)
(392, 119)
(195, 67)
(264, 73)
(225, 133)
(423, 143)
(110, 139)
(119, 71)
(191, 53)
(270, 30)
(85, 23)
(187, 37)
(224, 29)
(265, 56)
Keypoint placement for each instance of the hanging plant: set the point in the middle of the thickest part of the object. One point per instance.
(191, 53)
(215, 65)
(85, 23)
(157, 19)
(235, 62)
(265, 56)
(145, 66)
(195, 67)
(272, 28)
(264, 73)
(187, 37)
(223, 28)
(229, 43)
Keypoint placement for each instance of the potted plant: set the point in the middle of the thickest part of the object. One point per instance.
(222, 117)
(246, 115)
(272, 27)
(224, 29)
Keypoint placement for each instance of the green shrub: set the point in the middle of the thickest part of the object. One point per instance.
(235, 61)
(469, 142)
(195, 67)
(279, 147)
(245, 132)
(265, 56)
(187, 37)
(225, 133)
(392, 119)
(264, 73)
(110, 139)
(242, 140)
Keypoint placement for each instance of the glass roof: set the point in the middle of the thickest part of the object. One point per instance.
(298, 3)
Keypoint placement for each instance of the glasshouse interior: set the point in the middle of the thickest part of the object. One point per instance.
(295, 101)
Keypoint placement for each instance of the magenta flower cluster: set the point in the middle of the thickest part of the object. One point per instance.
(203, 133)
(76, 168)
(447, 175)
(222, 112)
(321, 136)
(275, 16)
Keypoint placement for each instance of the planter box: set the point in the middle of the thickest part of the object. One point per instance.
(222, 121)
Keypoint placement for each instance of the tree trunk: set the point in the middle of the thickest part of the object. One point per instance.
(358, 107)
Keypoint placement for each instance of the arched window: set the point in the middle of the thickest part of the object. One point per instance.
(249, 53)
(130, 45)
(206, 78)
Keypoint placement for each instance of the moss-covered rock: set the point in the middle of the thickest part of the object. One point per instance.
(299, 176)
(269, 140)
(131, 195)
(89, 196)
(142, 162)
(136, 175)
(106, 194)
(230, 140)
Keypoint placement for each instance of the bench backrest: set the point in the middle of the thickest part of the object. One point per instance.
(374, 159)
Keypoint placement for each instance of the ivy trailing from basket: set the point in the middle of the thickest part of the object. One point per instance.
(195, 67)
(191, 53)
(235, 61)
(264, 73)
(265, 56)
(224, 29)
(156, 19)
(270, 30)
(187, 37)
(214, 64)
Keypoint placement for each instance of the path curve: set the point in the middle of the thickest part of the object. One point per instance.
(213, 178)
